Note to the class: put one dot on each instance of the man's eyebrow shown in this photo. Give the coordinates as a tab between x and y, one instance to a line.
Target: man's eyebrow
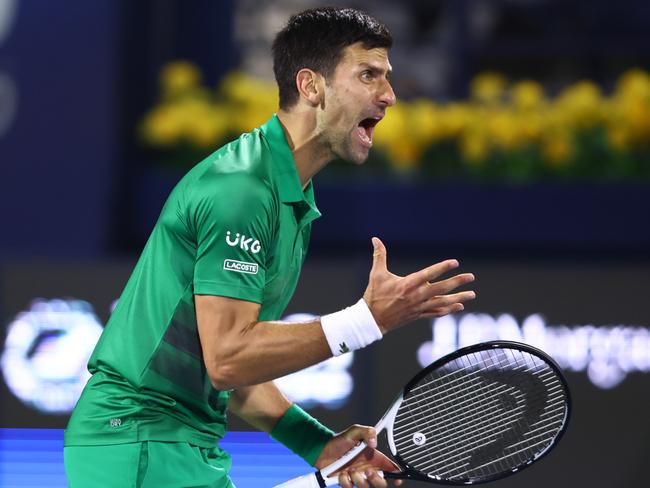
375	69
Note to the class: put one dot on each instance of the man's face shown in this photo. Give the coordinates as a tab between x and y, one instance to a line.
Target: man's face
356	98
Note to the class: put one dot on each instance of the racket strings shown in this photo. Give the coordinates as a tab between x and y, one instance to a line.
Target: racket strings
469	385
477	374
502	419
494	409
473	414
425	398
491	430
459	470
459	366
489	439
544	442
484	411
450	425
463	383
451	394
486	432
484	438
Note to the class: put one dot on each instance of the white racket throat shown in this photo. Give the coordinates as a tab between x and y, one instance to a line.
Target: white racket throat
312	480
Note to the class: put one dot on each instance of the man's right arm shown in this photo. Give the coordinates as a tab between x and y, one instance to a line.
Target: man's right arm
238	350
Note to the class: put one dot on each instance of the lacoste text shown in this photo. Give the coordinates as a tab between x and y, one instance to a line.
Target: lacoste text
240	266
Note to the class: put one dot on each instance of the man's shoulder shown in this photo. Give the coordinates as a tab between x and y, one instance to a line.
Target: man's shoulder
246	158
249	153
241	165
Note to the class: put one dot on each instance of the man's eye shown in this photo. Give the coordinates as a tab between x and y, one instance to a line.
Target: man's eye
366	75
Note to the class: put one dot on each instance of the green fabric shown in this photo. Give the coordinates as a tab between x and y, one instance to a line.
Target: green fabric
237	225
146	465
302	433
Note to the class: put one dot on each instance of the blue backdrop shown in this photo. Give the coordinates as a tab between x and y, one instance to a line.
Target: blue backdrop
33	458
58	149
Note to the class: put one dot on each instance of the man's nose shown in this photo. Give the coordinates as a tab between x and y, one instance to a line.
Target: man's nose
387	95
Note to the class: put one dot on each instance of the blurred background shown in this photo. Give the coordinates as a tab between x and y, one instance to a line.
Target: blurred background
520	145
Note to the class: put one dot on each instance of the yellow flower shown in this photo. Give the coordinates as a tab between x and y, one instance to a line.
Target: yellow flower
488	87
639	120
619	138
243	88
179	77
628	111
426	122
629	116
456	118
394	135
527	95
531	125
634	84
557	148
251	100
504	129
632	105
474	147
205	125
393	126
580	105
404	155
162	126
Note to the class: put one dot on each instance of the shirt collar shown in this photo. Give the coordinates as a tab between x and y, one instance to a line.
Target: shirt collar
284	167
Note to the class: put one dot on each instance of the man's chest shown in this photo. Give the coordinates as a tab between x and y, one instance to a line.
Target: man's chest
285	259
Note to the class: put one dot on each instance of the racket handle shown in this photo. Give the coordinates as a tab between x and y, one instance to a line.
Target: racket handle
306	481
322	478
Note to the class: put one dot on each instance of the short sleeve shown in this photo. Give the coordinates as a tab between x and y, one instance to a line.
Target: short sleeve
232	216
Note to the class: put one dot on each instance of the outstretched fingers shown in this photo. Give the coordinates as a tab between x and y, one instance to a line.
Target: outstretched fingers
394	300
445	286
440	305
432	272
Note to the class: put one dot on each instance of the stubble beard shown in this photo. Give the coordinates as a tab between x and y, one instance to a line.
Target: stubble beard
346	150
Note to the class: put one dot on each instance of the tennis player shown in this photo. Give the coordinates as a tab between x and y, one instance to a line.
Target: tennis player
195	332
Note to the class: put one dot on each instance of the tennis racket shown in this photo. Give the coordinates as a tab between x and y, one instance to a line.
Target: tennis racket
479	414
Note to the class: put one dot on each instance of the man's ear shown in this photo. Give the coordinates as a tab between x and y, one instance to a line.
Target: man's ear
310	86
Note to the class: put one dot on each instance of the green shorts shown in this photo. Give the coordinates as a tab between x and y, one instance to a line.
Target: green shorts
146	465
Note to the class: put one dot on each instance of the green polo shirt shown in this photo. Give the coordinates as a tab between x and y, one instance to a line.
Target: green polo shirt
237	225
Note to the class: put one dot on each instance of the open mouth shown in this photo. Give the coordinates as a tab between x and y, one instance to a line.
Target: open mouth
366	129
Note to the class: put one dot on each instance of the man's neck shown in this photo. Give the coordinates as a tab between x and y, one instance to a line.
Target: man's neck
309	152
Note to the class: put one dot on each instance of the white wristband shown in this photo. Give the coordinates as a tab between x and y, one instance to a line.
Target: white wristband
350	329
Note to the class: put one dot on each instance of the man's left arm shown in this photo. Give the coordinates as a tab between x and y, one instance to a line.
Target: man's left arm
263	406
259	405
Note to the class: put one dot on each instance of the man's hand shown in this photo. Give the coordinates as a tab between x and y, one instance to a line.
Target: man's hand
363	470
395	300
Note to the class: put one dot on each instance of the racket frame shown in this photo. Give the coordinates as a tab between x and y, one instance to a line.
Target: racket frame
323	477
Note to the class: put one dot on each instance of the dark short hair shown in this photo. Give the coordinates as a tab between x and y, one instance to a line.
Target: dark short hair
315	39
